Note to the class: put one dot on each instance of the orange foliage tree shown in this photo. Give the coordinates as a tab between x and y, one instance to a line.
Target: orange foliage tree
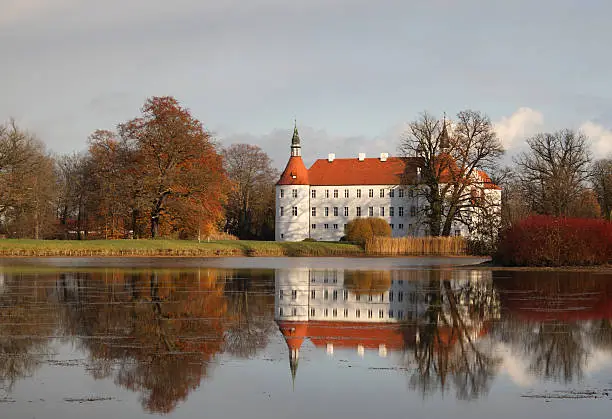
180	176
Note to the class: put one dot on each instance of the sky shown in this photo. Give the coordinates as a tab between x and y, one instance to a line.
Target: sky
352	72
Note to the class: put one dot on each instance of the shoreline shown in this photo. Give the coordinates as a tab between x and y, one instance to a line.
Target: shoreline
588	268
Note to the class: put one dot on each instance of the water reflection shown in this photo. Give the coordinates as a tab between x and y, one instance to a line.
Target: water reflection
160	332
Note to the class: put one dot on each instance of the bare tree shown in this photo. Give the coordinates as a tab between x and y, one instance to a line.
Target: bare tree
451	166
554	170
601	178
250	205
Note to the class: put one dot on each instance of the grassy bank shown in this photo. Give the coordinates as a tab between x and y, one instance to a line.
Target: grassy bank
74	248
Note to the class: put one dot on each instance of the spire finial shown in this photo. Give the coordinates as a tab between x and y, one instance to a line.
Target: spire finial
295	141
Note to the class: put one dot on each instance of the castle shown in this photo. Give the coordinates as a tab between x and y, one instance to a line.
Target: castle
319	202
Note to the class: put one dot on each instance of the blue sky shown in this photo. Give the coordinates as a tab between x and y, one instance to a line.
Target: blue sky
352	72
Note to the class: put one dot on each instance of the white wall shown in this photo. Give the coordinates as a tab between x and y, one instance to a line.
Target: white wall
289	227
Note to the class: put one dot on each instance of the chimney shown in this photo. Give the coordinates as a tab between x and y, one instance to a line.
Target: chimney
361	156
331	157
384	156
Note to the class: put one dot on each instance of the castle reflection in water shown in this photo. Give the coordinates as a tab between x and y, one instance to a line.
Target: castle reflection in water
381	311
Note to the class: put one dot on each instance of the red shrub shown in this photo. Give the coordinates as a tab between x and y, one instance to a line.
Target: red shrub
549	241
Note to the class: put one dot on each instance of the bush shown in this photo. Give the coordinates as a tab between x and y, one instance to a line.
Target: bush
397	246
549	241
309	239
361	230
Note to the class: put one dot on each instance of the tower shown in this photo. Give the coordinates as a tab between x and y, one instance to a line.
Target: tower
444	139
293	196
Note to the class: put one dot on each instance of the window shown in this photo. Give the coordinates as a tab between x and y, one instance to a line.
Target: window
391	193
280	311
410	227
381	193
391	211
346	312
326	295
335	211
357	297
344	227
370	297
335	312
400	211
358	193
411	193
371	193
313	294
401	226
381	314
390	314
282	235
313	211
335	295
312	312
294	211
326	226
326	312
345	295
282	211
400	314
371	212
326	211
392	226
400	296
358	313
335	193
294	193
400	193
313	226
280	294
382	211
457	232
413	211
326	193
335	226
282	193
391	296
293	294
346	212
294	311
369	314
313	193
358	211
346	193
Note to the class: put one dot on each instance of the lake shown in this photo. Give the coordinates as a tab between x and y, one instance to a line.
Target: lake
301	338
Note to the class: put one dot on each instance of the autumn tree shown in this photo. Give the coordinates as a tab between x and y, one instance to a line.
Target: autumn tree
553	171
250	204
450	168
27	184
180	171
601	179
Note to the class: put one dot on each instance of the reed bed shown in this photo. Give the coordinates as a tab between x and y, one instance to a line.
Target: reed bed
422	246
171	248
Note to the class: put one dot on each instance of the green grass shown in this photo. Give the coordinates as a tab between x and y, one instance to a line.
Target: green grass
74	248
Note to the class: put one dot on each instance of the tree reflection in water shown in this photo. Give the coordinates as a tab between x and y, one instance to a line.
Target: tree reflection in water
445	346
153	332
556	320
26	320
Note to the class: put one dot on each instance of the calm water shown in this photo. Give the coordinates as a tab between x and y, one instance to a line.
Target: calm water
301	338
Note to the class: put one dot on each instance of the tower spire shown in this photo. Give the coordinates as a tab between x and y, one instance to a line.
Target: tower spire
444	140
296	147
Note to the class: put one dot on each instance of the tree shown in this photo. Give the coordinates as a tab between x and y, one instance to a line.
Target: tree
180	170
553	171
27	184
75	192
250	204
601	179
450	167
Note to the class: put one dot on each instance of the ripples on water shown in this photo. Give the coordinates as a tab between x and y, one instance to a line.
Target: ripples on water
189	341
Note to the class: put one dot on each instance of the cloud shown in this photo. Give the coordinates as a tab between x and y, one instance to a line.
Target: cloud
15	11
514	129
601	138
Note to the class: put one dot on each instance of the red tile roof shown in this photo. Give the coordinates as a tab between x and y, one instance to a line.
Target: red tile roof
370	171
295	173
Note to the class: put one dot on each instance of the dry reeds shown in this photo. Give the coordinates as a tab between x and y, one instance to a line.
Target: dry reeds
398	246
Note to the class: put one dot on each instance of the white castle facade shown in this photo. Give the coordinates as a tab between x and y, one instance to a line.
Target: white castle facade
319	202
